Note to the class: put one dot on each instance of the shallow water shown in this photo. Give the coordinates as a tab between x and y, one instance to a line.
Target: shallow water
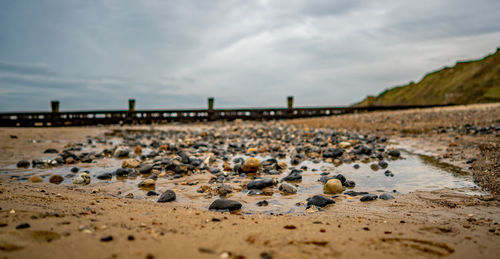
410	173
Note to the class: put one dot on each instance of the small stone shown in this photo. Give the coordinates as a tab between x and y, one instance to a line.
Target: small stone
369	197
152	193
23	225
287	188
167	196
138	150
148	183
121	152
344	144
262	203
224	204
356	166
289	227
395	153
260	183
129	196
293	176
333	186
51	151
385	196
107	238
349	184
319	201
131	163
82	178
35	179
105	176
56	179
75	170
251	165
23	164
145	168
374	167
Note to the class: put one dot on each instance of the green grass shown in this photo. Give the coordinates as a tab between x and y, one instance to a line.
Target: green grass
476	81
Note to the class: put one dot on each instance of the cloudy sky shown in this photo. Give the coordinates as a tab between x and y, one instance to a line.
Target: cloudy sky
92	54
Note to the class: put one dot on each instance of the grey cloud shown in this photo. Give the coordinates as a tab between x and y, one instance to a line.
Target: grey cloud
244	53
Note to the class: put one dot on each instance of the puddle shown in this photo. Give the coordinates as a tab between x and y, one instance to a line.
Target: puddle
412	172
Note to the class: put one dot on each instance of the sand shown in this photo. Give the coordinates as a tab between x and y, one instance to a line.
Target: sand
67	221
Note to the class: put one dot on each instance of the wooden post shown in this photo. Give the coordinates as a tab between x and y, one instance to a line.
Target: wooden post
210	104
290	103
211	114
131	105
55	106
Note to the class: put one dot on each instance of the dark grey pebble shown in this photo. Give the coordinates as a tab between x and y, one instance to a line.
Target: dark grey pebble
23	163
293	176
167	196
383	164
152	193
51	151
260	183
395	153
23	225
470	161
262	203
105	176
319	201
349	184
224	204
385	196
353	193
145	168
356	166
369	197
75	169
107	238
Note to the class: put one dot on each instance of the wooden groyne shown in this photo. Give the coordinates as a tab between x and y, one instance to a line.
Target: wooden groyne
132	116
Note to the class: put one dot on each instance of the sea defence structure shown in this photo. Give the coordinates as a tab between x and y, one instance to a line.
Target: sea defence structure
133	116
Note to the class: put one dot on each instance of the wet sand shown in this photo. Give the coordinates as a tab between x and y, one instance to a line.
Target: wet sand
70	220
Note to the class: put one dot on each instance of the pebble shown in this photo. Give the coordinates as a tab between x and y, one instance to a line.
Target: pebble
107	238
23	164
394	153
56	179
35	179
369	197
333	186
294	176
319	201
145	168
287	188
167	196
75	170
148	183
23	225
353	193
260	183
251	165
131	163
82	178
105	176
51	151
385	196
224	204
262	203
152	193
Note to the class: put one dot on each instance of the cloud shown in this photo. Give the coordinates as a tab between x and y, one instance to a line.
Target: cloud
168	54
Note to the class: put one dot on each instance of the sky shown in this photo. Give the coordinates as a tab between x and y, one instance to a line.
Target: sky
94	55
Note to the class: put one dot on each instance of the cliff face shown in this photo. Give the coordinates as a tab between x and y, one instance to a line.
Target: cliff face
476	81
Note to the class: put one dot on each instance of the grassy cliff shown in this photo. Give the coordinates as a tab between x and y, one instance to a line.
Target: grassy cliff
476	81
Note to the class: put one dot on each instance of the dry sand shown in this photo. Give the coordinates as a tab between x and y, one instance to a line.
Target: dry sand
69	221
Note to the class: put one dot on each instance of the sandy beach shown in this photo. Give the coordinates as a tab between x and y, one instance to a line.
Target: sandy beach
45	220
